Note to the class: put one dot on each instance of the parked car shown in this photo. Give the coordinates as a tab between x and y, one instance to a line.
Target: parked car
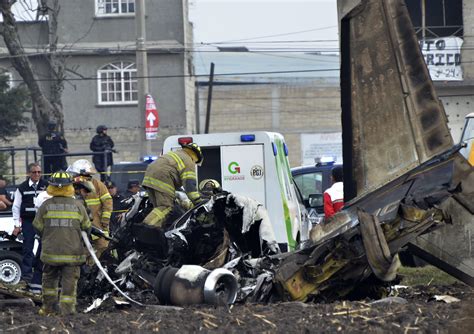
312	181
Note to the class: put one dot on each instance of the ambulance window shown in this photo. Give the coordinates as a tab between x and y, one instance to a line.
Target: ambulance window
211	165
311	183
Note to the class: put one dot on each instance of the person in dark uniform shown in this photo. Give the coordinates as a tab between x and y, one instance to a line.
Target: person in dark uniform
53	143
101	142
24	211
133	187
119	207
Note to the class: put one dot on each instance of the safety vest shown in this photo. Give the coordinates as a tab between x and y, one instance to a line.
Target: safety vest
28	194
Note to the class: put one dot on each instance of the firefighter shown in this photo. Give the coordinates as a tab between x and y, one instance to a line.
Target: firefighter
96	197
167	174
101	142
59	222
53	143
334	196
208	188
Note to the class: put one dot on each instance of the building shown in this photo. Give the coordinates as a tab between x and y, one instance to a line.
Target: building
296	95
98	41
305	105
446	33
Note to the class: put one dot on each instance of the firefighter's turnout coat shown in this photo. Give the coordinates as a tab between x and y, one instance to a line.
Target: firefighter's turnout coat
163	177
100	204
60	221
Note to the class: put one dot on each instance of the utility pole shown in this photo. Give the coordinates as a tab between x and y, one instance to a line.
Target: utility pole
209	99
142	74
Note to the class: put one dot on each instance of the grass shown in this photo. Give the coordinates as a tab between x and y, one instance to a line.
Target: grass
424	276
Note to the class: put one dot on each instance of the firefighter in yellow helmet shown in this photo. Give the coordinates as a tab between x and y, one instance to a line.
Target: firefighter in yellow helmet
168	173
96	198
209	187
59	221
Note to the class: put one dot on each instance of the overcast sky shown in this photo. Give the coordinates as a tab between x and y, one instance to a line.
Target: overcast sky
245	22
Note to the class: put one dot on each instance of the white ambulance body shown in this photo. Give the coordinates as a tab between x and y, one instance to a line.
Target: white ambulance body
255	165
468	138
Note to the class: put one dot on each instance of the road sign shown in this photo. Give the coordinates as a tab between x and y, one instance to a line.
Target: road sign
152	120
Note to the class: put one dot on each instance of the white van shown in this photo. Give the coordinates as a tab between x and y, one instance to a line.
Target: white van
255	165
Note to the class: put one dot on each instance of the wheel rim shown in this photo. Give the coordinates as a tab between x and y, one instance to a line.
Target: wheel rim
10	272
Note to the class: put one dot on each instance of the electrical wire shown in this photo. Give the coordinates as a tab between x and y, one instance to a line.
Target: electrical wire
200	75
277	35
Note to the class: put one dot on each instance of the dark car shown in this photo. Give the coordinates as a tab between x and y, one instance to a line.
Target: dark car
312	181
124	172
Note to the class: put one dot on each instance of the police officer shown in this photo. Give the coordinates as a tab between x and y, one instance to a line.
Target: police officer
53	143
167	174
119	207
133	187
101	142
60	221
24	211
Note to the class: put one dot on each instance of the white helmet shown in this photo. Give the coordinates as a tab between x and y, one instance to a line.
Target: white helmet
81	167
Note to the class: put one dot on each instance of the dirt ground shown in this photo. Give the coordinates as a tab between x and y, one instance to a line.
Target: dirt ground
420	314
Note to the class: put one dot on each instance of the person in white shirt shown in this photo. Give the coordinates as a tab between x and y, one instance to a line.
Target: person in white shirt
24	211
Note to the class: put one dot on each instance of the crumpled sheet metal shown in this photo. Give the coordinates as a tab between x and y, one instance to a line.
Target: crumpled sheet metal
383	264
254	211
392	118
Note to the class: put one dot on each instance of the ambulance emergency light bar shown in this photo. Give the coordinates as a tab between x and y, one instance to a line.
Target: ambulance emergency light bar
243	138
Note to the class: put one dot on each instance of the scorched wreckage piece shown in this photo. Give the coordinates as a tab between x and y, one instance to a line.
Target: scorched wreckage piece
405	184
405	181
402	174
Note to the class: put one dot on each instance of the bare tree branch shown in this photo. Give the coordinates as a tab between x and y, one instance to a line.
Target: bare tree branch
43	108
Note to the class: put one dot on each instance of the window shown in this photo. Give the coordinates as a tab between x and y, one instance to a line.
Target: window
436	18
115	7
311	183
117	83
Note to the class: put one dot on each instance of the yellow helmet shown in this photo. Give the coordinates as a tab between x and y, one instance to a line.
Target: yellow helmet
60	179
209	187
196	149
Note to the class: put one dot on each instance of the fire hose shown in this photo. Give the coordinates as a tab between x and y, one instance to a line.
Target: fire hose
101	268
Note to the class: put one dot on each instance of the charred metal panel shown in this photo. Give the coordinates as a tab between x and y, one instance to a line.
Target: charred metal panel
392	119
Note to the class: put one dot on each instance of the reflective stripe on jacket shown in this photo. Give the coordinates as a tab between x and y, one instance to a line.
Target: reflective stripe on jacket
100	204
60	221
170	172
333	199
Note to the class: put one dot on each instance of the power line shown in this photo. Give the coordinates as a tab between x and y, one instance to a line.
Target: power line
275	35
199	75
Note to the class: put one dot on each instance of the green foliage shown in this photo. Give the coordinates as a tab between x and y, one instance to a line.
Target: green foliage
4	169
14	102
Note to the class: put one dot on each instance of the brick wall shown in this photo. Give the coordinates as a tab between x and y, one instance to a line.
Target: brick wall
289	109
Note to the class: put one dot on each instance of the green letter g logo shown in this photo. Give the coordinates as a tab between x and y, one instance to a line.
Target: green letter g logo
234	168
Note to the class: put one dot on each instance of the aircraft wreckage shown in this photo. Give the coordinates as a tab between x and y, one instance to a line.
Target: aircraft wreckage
406	185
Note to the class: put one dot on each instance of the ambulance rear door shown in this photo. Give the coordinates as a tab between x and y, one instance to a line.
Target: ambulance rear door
243	170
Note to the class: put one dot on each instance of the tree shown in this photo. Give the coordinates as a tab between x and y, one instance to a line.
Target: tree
14	103
45	107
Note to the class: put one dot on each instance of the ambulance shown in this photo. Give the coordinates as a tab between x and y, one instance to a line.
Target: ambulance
468	138
253	164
